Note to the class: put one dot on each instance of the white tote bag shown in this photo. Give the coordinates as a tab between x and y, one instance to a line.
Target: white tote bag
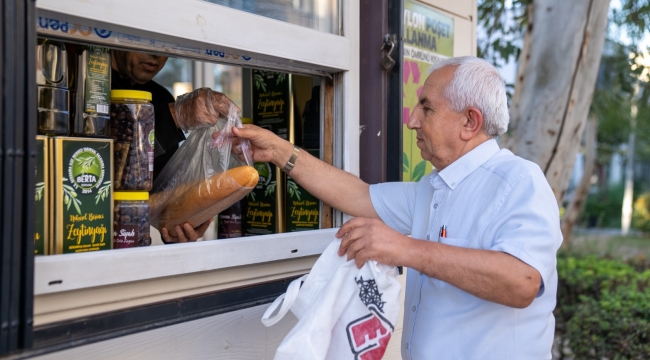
343	312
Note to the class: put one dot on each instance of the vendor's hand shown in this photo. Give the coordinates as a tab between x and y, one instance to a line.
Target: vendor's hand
185	233
199	108
265	145
370	239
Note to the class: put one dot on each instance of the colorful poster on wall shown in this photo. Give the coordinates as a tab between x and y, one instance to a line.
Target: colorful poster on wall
428	38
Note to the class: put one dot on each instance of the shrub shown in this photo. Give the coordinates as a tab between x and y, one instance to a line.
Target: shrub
603	308
603	210
642	213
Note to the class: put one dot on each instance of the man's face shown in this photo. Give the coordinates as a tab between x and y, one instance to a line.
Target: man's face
138	67
437	127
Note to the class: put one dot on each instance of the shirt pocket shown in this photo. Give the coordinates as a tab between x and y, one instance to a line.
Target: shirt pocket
454	241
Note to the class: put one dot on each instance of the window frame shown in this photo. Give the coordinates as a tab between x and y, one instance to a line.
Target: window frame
275	48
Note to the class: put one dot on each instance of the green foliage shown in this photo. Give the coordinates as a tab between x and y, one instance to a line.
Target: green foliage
504	23
642	213
603	308
633	17
603	210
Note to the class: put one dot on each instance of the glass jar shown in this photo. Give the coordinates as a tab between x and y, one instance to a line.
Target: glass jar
132	128
52	88
131	219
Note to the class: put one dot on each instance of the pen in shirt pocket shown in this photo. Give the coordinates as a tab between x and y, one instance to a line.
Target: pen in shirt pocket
443	232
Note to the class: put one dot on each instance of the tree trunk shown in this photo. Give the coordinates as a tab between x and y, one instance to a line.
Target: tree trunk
626	211
576	205
555	82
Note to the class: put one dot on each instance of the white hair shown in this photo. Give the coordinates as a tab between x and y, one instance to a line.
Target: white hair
476	83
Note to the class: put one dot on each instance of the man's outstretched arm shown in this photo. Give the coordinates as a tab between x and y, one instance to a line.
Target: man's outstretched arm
331	185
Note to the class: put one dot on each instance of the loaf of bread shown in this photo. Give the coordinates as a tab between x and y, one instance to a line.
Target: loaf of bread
197	203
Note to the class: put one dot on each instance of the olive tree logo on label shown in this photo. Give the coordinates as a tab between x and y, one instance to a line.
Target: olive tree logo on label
264	171
152	138
86	170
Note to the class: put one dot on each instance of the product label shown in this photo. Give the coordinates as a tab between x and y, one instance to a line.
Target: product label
40	241
302	208
125	236
149	144
272	101
84	205
230	223
260	214
97	96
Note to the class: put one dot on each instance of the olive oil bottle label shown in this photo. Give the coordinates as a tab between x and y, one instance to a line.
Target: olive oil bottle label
302	208
97	99
84	195
41	233
271	101
260	214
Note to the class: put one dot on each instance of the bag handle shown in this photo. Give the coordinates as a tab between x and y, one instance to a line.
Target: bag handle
287	299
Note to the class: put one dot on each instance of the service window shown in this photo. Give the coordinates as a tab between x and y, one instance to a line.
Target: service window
297	77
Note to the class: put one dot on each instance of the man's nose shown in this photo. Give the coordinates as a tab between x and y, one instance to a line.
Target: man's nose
413	122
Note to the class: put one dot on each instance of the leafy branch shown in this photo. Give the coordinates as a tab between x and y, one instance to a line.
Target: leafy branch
40	188
292	188
251	196
504	23
281	78
103	192
70	197
270	189
259	82
85	162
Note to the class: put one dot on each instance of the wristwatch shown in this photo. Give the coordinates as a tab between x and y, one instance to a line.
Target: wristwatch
292	160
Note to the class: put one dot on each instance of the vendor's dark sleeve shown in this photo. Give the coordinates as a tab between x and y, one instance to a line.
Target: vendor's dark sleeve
167	134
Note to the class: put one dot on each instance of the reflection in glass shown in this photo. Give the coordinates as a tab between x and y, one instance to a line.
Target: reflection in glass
322	15
176	76
228	80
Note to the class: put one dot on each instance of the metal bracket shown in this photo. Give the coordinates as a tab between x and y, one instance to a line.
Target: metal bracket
387	62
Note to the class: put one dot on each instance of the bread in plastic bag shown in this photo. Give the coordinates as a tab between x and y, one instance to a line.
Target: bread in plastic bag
203	178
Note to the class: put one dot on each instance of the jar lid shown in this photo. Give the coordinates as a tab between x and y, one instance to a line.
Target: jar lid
130	94
130	195
246	120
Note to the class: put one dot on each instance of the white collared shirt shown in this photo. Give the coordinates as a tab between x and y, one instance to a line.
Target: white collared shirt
492	200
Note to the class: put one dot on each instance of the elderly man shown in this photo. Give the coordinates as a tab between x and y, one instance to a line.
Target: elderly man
484	224
135	71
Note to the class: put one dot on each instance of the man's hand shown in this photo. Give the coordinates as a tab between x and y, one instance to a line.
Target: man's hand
266	146
185	233
370	239
199	108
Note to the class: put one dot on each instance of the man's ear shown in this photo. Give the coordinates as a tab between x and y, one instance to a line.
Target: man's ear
473	124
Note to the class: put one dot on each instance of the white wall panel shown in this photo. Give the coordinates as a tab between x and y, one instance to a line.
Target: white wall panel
238	335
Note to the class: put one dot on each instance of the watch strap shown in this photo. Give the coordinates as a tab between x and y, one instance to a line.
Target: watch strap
292	160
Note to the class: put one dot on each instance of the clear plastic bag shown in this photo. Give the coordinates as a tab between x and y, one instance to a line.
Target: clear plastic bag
203	177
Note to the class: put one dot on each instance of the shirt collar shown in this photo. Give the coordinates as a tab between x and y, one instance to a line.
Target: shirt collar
457	171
